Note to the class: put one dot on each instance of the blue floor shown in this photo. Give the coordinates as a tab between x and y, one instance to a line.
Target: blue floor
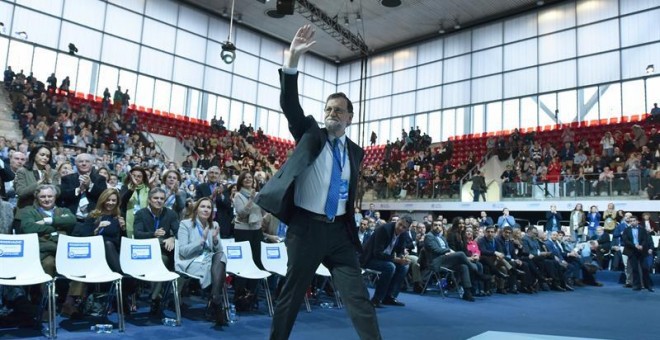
609	312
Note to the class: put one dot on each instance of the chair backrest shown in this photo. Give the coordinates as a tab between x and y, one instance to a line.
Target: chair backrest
19	255
228	240
239	257
656	240
140	256
540	228
274	257
79	256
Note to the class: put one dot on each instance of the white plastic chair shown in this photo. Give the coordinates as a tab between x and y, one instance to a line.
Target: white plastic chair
177	260
141	259
325	272
241	264
82	259
21	266
274	258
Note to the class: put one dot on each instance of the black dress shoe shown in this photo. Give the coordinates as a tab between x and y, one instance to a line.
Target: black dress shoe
376	303
627	286
568	288
650	289
467	296
390	301
155	306
502	275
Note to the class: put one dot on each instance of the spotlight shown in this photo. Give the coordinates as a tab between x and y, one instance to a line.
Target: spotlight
2	24
22	34
650	69
72	49
224	12
346	20
228	53
239	18
358	17
337	61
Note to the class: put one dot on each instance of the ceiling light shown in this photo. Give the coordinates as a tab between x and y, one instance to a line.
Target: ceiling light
358	17
346	20
224	12
457	26
239	18
650	69
540	3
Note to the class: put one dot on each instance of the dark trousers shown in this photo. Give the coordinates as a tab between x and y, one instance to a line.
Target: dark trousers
310	243
640	270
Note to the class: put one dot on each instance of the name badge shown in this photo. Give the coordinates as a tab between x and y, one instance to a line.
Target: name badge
272	252
343	190
79	250
140	252
11	248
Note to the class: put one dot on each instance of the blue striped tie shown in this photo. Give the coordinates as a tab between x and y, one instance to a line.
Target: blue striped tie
335	181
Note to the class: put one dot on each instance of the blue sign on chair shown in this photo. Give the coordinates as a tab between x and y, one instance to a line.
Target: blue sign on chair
272	253
140	252
234	252
79	250
11	248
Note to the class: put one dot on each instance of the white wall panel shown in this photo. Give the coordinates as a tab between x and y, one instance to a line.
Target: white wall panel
188	72
163	10
404	80
487	36
219	82
520	83
429	51
193	20
428	99
557	46
122	23
640	28
53	7
456	94
487	62
598	37
429	74
521	54
313	66
556	18
156	63
595	10
46	32
403	58
133	5
458	43
86	40
487	89
457	69
380	85
557	76
6	11
628	6
600	68
159	35
249	41
190	46
272	50
85	12
635	60
244	89
313	87
219	30
521	27
380	64
403	104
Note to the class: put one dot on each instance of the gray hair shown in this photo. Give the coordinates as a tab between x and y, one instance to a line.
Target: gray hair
156	190
43	187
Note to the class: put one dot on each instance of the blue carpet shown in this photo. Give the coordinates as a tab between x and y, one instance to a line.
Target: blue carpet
609	312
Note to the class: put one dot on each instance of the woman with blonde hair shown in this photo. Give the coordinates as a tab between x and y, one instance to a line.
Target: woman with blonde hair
200	253
609	216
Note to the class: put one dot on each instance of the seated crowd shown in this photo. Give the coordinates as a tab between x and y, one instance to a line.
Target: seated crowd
80	172
485	257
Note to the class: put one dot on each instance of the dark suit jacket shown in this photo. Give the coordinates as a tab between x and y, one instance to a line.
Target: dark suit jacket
144	225
6	175
643	238
276	196
70	200
501	246
548	217
433	247
378	242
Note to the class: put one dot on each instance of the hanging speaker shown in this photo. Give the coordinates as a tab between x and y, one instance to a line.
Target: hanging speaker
285	6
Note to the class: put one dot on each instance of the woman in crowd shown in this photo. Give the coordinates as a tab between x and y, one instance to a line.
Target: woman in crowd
609	216
607	143
247	226
577	222
36	171
175	198
134	194
200	253
458	241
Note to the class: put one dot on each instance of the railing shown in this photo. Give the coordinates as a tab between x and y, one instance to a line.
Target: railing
150	138
182	139
415	190
468	176
620	185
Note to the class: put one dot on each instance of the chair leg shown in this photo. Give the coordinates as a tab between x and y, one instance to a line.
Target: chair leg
307	306
225	298
52	327
177	307
269	300
120	305
337	295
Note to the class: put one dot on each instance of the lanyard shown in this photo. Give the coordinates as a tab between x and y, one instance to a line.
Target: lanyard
156	220
334	157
